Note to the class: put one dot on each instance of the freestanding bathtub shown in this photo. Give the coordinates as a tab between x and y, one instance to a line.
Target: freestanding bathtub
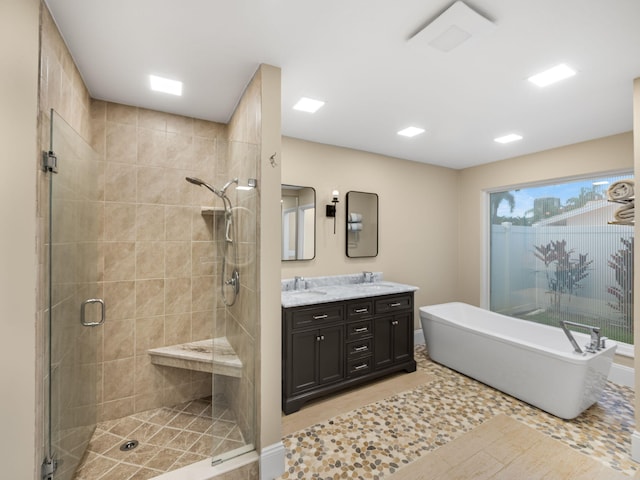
532	362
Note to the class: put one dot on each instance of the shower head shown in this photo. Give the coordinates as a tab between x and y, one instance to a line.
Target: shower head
200	183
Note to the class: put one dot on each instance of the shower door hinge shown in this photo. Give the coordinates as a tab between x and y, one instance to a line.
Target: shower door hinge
49	162
49	466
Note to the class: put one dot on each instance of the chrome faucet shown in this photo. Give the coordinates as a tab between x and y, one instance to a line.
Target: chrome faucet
367	277
595	343
298	282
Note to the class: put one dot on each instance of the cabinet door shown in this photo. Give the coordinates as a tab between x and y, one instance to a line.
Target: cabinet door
383	342
402	327
331	354
302	363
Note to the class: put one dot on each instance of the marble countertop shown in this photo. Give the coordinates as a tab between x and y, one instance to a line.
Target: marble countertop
319	292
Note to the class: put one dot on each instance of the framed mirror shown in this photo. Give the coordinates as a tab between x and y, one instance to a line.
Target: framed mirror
298	207
362	224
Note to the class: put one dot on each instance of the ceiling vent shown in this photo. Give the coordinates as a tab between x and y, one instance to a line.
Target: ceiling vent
456	25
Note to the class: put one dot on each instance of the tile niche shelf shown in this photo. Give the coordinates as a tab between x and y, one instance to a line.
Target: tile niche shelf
212	356
211	210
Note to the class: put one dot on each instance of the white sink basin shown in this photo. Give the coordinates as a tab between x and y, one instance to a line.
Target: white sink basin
374	286
306	292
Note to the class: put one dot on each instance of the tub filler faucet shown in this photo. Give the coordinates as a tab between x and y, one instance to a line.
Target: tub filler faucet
594	345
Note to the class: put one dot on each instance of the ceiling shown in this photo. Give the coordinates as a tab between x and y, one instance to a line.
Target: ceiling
358	56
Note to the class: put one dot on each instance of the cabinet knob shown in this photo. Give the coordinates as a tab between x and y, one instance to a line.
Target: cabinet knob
319	338
395	322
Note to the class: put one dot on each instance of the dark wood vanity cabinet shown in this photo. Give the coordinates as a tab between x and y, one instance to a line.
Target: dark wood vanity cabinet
315	358
331	346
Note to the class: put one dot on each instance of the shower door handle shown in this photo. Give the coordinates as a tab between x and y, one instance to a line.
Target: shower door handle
82	312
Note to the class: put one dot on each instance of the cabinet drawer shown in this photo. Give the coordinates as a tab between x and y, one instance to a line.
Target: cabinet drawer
316	315
359	309
359	329
393	303
360	348
359	366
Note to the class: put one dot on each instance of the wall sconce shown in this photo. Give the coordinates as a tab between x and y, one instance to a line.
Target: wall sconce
331	209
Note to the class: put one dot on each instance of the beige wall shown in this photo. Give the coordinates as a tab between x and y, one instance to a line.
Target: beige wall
418	208
607	154
19	24
269	264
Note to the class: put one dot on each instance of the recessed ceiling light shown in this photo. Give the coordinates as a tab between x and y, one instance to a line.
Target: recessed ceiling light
512	137
165	85
553	75
308	105
411	131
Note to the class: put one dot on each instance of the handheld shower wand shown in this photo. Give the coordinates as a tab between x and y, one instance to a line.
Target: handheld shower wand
234	280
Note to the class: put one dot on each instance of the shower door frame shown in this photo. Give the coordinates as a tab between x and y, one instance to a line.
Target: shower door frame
73	293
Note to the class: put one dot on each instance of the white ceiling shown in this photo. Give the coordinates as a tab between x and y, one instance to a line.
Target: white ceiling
356	55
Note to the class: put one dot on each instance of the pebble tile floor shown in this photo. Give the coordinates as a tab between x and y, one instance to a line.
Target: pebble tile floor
374	441
169	438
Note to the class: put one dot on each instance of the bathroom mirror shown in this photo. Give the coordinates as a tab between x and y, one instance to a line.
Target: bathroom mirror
298	206
362	224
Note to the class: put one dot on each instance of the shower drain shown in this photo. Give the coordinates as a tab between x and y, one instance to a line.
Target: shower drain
129	445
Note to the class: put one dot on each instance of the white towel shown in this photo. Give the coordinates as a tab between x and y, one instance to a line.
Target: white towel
355	217
621	190
625	213
355	227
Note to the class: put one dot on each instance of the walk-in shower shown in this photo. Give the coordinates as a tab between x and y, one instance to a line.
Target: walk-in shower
230	252
154	293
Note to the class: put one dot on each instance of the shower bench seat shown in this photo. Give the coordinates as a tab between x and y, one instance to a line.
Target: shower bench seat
211	355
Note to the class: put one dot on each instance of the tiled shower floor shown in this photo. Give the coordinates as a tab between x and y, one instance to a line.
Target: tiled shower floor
169	438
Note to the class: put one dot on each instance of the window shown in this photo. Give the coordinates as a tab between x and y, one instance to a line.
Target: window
556	253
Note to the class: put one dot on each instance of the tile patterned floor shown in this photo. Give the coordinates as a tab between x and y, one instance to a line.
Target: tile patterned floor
377	439
169	438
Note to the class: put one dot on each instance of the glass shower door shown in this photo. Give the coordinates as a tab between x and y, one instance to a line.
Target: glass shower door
75	306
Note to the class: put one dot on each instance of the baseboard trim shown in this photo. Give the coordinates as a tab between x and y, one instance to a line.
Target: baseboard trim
635	446
620	374
272	461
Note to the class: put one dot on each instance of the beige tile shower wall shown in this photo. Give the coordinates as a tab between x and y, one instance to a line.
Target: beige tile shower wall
62	89
241	318
159	255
